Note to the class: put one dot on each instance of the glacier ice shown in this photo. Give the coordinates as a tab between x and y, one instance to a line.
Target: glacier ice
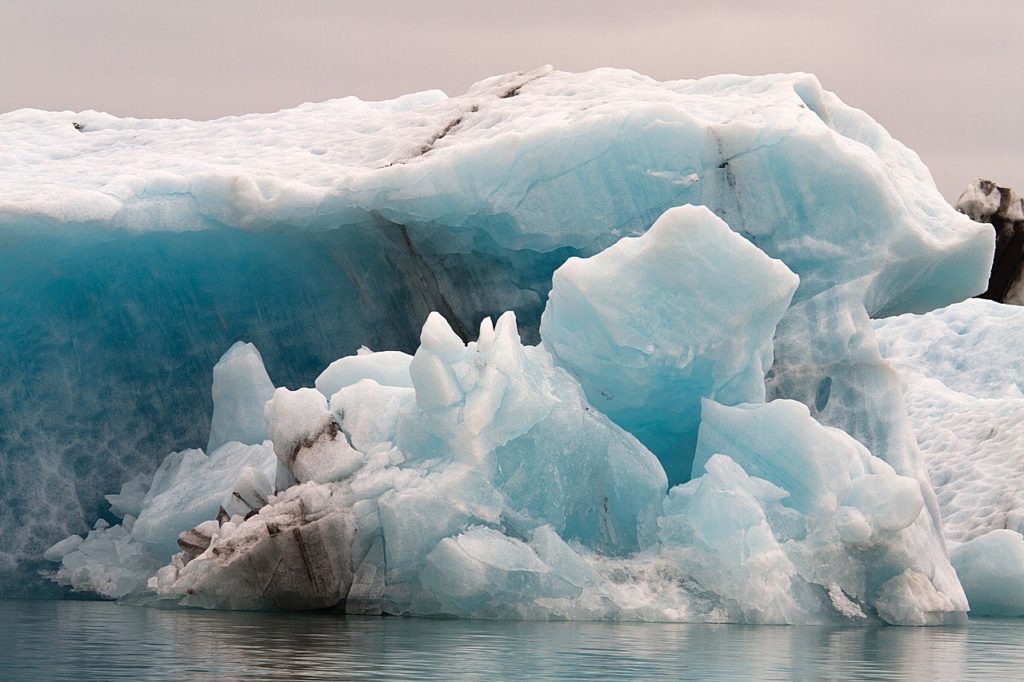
188	490
198	494
108	562
387	368
785	520
138	251
828	358
484	422
627	325
307	440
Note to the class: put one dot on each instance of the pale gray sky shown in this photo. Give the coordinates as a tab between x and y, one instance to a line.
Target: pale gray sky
944	76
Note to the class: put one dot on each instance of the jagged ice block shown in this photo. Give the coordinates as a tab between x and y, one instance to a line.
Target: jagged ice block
656	323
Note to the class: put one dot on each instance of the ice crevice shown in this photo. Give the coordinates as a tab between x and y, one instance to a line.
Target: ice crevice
503	92
428	284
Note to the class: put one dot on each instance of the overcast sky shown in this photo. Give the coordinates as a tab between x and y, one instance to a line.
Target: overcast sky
944	76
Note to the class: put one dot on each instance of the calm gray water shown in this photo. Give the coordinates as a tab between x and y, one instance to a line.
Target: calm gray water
54	640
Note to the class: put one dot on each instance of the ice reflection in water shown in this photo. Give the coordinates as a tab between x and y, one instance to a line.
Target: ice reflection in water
91	640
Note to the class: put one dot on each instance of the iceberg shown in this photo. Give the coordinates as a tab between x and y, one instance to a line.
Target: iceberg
138	251
826	514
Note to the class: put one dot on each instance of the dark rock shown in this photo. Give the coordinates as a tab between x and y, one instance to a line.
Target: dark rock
985	202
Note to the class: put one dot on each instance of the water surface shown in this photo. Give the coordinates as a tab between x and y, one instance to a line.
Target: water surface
68	640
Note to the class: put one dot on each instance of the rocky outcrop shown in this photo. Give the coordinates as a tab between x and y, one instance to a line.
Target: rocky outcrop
1003	208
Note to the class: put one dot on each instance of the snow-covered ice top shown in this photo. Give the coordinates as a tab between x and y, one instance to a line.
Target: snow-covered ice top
971	347
778	157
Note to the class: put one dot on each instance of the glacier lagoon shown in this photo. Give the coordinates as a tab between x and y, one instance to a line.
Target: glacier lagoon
103	641
737	235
